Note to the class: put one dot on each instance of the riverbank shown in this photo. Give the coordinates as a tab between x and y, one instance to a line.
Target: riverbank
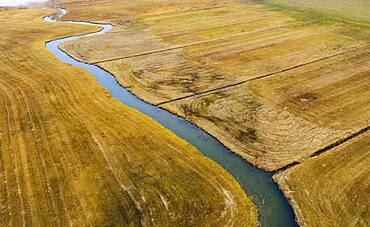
273	207
273	84
340	194
73	155
236	77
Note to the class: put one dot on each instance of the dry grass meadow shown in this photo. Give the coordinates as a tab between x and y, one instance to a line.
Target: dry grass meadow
358	10
272	81
255	78
72	155
333	188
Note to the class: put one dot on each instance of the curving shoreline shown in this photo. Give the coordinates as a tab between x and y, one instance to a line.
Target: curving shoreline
273	207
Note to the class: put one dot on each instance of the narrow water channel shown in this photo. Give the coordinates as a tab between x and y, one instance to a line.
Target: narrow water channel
273	207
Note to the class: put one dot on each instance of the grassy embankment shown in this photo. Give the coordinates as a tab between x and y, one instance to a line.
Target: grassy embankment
71	155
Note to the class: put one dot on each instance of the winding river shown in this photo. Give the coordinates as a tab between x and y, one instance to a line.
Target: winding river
273	207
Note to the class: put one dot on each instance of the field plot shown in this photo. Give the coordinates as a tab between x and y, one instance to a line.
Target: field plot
275	120
161	58
332	189
71	155
274	83
119	9
358	10
297	80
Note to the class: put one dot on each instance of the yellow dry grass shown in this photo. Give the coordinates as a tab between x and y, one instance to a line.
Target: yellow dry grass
72	155
332	189
273	83
272	121
353	10
116	9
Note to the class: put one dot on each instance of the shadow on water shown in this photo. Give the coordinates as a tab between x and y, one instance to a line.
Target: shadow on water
274	209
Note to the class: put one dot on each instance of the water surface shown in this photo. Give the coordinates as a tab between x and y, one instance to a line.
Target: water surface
273	207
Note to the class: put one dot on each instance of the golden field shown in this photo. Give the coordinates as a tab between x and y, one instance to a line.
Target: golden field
285	118
272	81
238	70
72	155
333	188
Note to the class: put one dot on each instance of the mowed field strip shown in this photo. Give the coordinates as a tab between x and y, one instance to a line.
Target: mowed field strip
72	155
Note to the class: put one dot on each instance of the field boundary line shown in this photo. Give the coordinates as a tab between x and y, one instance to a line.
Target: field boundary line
169	14
198	43
261	76
329	147
187	31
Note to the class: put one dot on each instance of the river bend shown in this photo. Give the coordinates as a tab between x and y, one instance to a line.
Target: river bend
273	207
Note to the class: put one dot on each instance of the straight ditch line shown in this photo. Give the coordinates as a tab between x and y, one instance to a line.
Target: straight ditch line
327	148
187	31
261	76
198	43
